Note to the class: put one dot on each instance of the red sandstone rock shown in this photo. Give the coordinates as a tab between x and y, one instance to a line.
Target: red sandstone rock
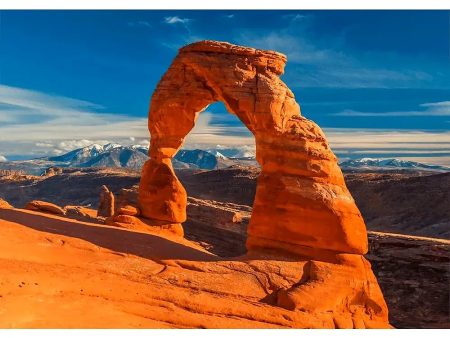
145	225
81	213
161	195
129	210
301	197
5	205
45	207
352	293
106	205
302	205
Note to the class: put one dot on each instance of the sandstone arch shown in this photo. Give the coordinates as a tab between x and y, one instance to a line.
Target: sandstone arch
302	208
302	204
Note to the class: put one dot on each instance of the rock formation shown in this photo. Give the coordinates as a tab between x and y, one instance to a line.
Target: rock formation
5	205
301	199
106	205
81	213
45	207
52	171
227	216
302	206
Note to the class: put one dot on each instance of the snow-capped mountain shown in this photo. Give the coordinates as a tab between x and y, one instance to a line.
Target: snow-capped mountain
116	155
202	159
243	152
388	164
108	155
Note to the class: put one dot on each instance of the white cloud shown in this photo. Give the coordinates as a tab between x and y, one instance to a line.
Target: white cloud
35	123
431	109
139	23
414	145
208	134
39	124
294	17
297	49
34	116
230	16
176	19
379	139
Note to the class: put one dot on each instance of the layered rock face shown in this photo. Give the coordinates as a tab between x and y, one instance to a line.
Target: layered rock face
302	207
301	200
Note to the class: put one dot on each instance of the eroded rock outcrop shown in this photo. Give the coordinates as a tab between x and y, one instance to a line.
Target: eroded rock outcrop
302	207
43	206
301	199
5	205
106	205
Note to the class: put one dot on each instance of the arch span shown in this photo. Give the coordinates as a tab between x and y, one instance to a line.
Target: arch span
301	203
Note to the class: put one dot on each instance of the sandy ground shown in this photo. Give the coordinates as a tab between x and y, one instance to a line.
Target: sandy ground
60	273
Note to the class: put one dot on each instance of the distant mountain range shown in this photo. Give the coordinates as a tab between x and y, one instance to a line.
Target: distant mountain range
388	164
134	156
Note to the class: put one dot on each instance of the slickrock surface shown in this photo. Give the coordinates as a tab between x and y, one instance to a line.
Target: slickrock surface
107	265
65	273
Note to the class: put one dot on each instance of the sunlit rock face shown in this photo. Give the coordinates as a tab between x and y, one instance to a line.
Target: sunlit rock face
302	207
301	198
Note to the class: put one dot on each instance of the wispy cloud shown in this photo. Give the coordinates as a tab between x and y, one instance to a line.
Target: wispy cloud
331	63
139	23
230	16
294	17
33	115
181	38
41	124
176	19
431	109
205	132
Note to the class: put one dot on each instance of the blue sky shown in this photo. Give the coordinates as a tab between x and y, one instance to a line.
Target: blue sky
377	82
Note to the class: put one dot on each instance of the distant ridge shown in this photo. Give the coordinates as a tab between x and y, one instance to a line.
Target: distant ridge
113	155
389	164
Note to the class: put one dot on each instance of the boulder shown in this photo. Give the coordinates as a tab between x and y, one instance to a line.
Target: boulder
129	210
81	213
45	207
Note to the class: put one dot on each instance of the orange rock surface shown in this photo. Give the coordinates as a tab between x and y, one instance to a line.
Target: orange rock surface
302	205
301	198
4	204
45	207
63	273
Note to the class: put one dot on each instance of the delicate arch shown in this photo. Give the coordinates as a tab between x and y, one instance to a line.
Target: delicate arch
301	203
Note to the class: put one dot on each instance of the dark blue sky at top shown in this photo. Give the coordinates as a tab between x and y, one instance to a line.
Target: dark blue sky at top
374	62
